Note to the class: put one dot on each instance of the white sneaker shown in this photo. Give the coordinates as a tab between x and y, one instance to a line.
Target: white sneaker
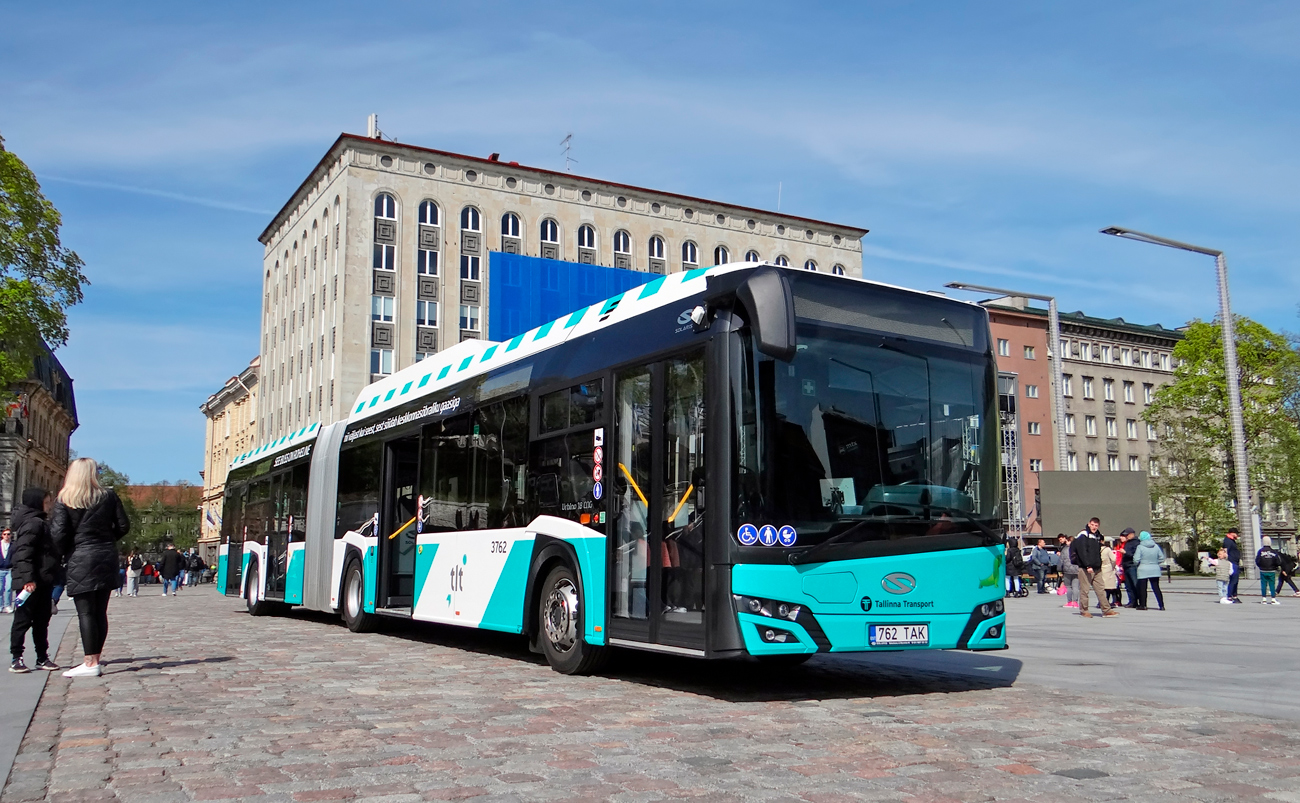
1263	602
1225	601
83	671
1273	601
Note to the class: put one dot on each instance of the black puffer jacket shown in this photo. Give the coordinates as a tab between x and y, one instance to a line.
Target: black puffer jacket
88	537
35	560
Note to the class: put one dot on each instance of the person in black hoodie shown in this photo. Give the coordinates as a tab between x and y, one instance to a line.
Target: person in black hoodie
87	522
1129	565
35	563
1234	558
1085	552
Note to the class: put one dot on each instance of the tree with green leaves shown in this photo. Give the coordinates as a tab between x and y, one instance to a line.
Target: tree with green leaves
39	277
1194	491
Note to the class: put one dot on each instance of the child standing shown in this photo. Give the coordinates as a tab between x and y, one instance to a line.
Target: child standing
1223	574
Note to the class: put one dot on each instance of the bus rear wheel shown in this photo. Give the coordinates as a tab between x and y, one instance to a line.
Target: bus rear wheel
560	626
352	605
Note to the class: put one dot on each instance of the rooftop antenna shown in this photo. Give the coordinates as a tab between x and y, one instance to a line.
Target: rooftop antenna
778	196
372	129
567	144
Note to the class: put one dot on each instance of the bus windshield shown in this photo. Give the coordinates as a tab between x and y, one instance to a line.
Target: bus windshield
867	437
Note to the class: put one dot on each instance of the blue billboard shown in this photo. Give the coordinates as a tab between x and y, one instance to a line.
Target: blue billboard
526	292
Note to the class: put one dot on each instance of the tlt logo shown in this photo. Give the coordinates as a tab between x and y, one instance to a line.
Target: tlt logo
457	578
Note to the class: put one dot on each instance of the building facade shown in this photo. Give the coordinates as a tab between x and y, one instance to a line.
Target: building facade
35	432
380	258
161	514
231	417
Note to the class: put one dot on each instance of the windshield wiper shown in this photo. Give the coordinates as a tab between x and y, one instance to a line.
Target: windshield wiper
991	536
805	557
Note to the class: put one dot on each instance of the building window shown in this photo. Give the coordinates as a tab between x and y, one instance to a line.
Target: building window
470	219
1094	463
1035	464
1067	385
469	267
1151	432
1112	462
421	356
1065	349
1112	428
426	262
1125	357
1153	467
381	309
1108	389
1031	391
429	214
1146	359
782	261
1069	423
1148	393
550	231
469	317
1134	464
1029	353
1128	392
1131	429
1004	348
752	256
385	257
837	270
1072	462
1164	362
426	313
1034	428
586	237
622	242
381	361
1087	387
1085	351
810	265
385	206
690	254
1090	426
656	247
1104	353
720	255
509	225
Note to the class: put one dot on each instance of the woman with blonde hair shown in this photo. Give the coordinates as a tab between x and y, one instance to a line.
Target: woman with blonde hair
87	522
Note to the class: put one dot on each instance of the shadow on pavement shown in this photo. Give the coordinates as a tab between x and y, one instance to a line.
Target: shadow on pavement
114	665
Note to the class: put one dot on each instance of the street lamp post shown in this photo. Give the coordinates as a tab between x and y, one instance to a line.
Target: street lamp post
1245	523
1053	346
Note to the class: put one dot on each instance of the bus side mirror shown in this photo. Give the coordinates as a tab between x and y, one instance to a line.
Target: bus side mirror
767	297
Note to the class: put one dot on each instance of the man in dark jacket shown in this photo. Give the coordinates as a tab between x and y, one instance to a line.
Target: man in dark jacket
170	568
35	563
1234	557
1129	564
1085	551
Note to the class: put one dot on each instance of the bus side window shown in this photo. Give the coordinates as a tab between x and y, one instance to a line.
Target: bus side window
360	472
565	487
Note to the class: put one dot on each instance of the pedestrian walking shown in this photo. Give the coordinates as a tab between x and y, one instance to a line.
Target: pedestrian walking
6	571
1069	573
1127	566
1149	558
196	568
87	522
34	563
1286	572
1110	573
1040	561
1222	576
1234	558
1085	554
1015	566
133	568
170	569
1269	562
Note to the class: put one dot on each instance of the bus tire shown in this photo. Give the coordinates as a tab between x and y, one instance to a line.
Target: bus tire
352	600
560	626
257	606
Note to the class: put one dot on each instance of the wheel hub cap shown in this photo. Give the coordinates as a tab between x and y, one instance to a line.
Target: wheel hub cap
561	616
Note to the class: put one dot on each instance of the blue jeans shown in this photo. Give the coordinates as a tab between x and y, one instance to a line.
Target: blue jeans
170	586
6	588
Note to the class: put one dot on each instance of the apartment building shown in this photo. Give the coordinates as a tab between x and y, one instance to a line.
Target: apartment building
36	432
231	430
381	257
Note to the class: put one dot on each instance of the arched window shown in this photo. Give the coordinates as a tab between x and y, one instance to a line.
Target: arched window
810	265
782	261
550	231
622	242
385	206
586	237
752	256
656	247
720	255
429	214
690	254
837	270
470	219
509	225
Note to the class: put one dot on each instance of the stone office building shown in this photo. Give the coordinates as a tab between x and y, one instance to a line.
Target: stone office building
35	432
380	258
231	430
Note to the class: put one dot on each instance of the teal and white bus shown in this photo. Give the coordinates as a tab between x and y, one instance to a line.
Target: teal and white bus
729	461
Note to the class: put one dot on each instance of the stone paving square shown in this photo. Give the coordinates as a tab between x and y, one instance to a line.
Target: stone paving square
202	702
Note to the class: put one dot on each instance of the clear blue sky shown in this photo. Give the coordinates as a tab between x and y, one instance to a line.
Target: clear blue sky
984	142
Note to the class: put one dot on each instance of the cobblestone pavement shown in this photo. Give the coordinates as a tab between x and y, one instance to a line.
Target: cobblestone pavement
202	702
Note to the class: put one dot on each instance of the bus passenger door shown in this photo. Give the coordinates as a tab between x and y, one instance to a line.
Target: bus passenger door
277	538
398	524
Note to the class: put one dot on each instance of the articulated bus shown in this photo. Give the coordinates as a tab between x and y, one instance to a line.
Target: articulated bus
729	461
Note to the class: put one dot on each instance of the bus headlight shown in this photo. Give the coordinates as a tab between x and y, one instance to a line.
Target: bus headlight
766	607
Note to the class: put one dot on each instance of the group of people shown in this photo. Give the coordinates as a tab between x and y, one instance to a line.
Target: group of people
1275	568
71	537
174	571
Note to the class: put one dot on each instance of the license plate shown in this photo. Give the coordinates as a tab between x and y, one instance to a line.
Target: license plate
898	635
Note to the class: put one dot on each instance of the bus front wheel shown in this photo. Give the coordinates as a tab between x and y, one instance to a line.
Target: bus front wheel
353	602
560	626
257	606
